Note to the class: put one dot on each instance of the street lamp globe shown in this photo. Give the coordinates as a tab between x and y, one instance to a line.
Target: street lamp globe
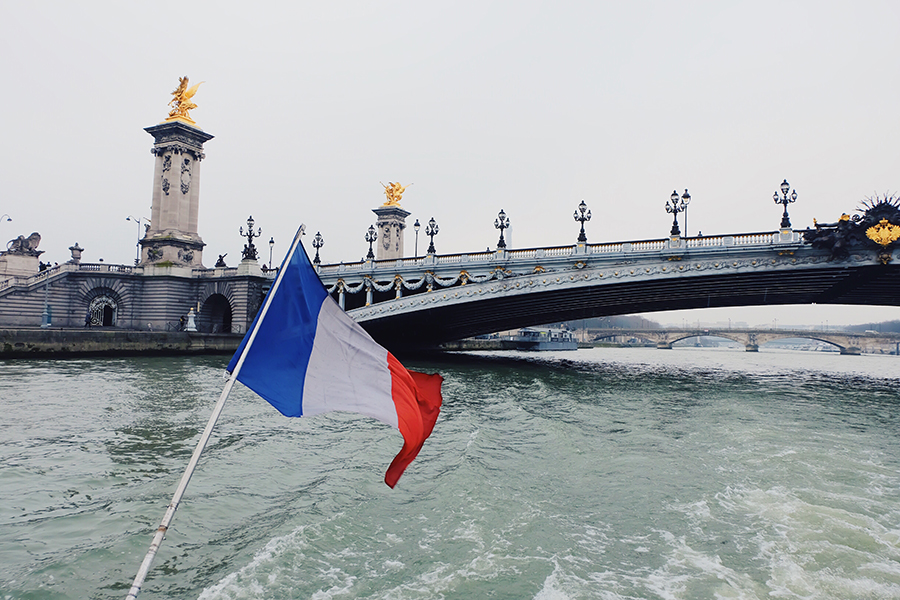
501	223
318	242
431	230
785	200
582	214
674	205
371	236
249	252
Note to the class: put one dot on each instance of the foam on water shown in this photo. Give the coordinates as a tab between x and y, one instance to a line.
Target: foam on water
826	536
614	475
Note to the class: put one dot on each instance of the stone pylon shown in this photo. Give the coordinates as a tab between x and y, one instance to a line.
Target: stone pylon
390	224
172	238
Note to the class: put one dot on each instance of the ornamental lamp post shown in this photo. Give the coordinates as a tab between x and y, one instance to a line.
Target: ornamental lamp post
249	251
45	315
416	227
8	218
501	223
371	236
271	247
431	230
785	200
318	242
675	205
582	216
137	254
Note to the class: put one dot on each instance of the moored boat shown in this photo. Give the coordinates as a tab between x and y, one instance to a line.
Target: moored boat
541	339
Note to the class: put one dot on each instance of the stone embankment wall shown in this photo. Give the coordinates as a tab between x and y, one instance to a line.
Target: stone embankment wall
54	342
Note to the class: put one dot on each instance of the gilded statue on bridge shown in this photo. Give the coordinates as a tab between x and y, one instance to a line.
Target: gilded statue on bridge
393	192
181	102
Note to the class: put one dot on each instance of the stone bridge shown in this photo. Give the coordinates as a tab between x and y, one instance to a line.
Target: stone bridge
424	301
144	297
751	339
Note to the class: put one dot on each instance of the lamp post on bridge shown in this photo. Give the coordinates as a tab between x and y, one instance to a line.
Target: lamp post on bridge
501	223
686	199
581	216
431	230
249	251
675	205
137	255
416	227
6	216
318	242
271	247
785	200
371	236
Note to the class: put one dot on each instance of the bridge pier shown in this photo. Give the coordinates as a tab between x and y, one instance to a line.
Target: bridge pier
851	351
751	348
663	345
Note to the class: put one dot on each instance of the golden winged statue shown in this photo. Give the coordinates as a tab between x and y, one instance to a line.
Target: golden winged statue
393	192
181	101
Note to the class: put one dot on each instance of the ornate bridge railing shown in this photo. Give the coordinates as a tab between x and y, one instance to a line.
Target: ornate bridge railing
357	285
720	241
437	298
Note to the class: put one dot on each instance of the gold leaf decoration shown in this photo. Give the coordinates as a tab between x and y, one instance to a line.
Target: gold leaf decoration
885	233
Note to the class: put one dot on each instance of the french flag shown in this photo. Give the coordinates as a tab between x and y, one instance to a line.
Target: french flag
306	357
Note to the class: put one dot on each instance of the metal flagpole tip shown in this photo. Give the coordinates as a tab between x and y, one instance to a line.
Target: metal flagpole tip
300	232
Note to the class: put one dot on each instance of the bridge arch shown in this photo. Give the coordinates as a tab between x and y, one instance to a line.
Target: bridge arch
825	339
611	335
753	341
215	314
103	306
719	335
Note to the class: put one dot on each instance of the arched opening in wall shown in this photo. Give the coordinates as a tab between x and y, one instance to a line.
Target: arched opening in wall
215	315
103	311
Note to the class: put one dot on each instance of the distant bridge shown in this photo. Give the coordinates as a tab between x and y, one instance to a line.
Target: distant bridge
428	300
751	339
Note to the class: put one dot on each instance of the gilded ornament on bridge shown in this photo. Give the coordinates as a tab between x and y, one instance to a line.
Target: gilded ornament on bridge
874	224
393	192
884	233
181	102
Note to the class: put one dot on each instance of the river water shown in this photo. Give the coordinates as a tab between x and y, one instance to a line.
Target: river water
604	473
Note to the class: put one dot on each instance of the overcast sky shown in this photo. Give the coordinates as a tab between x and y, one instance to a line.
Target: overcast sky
525	106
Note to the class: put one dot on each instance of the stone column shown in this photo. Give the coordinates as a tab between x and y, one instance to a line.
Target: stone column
390	224
172	238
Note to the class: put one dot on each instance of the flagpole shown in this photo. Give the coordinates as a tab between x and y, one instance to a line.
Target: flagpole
207	433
